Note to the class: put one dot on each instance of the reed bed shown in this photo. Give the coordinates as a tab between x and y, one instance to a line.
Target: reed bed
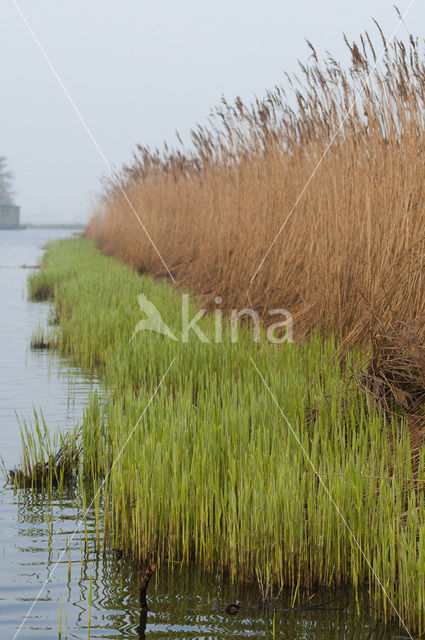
212	474
353	245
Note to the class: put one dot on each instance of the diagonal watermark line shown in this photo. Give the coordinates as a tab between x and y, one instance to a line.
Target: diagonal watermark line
80	522
332	140
88	131
311	463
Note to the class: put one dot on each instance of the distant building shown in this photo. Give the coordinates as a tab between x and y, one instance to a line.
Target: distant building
9	216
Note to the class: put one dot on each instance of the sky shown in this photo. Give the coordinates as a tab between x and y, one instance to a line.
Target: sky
137	71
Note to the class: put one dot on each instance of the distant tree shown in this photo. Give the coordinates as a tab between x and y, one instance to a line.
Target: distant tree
6	182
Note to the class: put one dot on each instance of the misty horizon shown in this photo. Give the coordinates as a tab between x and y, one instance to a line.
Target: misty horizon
139	74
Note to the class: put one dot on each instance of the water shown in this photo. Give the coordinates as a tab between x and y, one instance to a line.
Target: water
34	531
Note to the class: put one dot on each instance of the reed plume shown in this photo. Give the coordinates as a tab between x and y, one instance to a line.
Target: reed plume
345	146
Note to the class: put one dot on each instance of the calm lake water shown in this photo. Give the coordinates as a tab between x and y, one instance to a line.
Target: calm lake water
184	603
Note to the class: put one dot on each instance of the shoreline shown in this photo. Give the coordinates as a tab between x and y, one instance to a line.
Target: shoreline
213	474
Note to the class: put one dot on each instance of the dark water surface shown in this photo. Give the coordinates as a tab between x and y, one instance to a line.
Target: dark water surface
100	590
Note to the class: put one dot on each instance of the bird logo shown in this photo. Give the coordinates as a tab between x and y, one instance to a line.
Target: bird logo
153	321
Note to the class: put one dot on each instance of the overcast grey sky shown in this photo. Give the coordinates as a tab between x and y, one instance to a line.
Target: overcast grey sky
139	70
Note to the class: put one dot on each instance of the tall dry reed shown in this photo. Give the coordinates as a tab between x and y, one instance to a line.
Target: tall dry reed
353	247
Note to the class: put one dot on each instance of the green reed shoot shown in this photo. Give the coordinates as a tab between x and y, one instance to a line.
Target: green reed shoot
212	473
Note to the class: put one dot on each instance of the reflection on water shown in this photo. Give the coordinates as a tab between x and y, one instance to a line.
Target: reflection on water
30	379
34	532
184	603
